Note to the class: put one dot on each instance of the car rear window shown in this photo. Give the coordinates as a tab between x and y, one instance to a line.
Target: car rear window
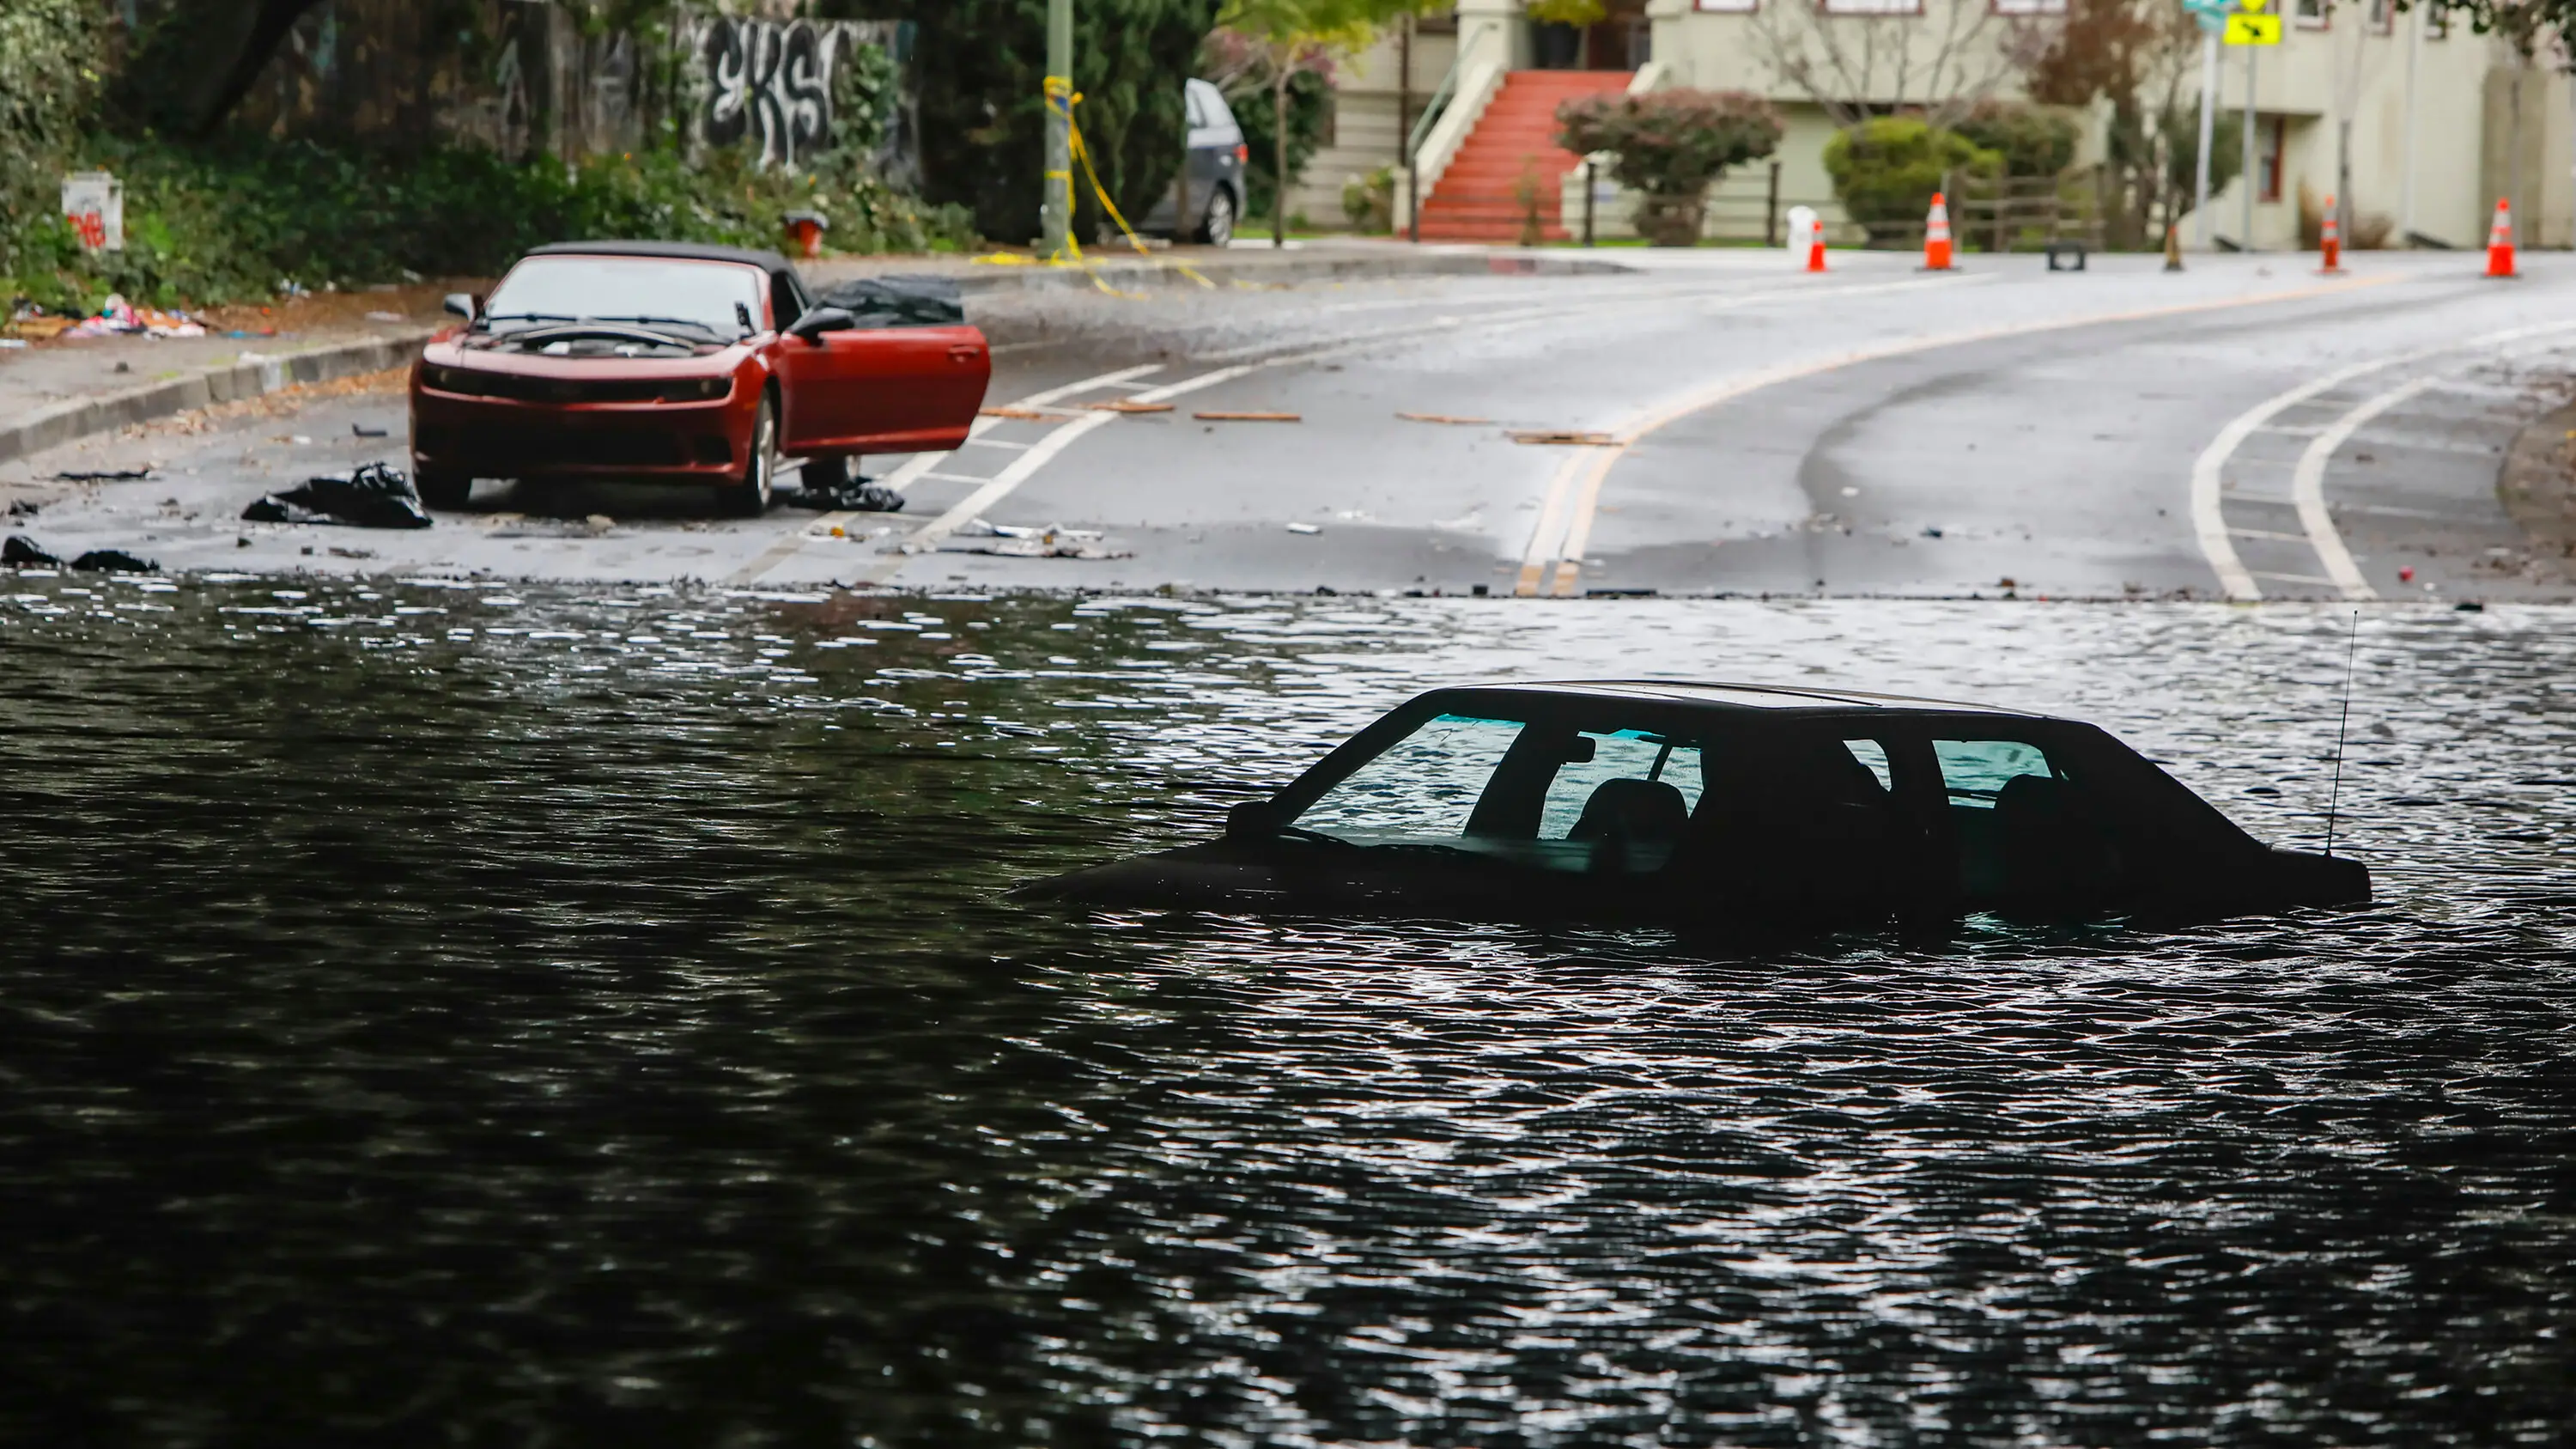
541	290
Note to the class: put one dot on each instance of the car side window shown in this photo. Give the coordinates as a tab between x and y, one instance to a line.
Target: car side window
1628	793
2026	830
784	304
1975	772
1422	788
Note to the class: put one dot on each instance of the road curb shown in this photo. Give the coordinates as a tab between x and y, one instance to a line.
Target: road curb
1335	266
78	418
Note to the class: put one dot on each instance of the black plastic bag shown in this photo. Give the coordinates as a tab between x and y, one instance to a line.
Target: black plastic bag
900	301
856	496
374	496
20	552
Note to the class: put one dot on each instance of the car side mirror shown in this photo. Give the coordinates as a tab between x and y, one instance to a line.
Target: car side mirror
1251	818
463	304
814	324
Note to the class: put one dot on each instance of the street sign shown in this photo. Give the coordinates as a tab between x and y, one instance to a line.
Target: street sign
2253	30
2210	14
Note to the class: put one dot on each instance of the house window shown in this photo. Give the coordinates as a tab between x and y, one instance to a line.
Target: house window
2273	134
2312	14
1871	7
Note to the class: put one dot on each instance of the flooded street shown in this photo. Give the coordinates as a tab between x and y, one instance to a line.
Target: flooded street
584	1014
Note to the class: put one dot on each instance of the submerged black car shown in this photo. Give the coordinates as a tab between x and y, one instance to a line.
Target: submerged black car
1707	804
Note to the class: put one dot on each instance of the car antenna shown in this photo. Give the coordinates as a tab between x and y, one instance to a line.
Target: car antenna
2334	793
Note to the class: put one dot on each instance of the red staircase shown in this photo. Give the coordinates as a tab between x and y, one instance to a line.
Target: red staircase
1476	198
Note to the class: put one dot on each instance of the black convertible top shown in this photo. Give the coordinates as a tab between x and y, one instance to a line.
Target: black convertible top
1720	694
770	262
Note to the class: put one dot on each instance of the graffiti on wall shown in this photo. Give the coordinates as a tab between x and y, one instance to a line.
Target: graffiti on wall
768	84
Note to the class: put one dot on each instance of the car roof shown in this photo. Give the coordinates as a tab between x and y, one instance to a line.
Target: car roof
770	262
1728	695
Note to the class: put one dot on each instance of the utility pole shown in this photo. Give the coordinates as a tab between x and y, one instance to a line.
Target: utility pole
2252	182
1057	209
2406	177
2208	133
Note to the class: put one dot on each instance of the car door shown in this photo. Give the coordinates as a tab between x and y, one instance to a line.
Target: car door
884	389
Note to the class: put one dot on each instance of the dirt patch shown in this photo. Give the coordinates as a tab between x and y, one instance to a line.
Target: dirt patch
2537	486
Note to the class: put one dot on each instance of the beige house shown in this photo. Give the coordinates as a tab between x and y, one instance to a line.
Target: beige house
2442	122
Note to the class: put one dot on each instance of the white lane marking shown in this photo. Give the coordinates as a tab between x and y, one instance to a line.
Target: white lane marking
974	442
2299	579
1022	468
919	465
2208	485
1581	479
2269	534
2308	487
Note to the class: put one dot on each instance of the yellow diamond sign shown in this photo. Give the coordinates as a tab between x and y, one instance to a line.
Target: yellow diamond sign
2253	30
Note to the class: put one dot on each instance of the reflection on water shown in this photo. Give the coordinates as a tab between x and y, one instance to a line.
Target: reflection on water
449	1013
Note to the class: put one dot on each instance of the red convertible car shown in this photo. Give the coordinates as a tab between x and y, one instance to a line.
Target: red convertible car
671	362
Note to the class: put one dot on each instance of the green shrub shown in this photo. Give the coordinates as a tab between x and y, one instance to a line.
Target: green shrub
1671	146
47	78
1369	201
2036	142
1885	170
1310	104
232	219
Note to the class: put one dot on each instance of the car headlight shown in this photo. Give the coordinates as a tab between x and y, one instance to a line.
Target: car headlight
697	389
448	379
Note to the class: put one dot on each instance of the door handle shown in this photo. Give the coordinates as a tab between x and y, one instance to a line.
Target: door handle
964	352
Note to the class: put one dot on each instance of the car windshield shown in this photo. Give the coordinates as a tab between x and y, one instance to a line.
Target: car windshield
1553	795
652	292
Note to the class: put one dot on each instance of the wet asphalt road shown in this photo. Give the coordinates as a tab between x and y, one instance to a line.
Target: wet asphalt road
2246	429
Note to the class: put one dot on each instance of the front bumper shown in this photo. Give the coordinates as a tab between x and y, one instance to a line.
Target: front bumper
487	437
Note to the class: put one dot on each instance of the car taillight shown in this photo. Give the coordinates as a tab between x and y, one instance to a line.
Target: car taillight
1242	152
697	389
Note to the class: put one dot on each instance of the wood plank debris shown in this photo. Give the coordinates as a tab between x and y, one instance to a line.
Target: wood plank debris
1128	405
1562	437
1032	415
1442	418
1247	417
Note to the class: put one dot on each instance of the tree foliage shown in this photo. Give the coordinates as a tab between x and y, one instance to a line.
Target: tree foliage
2035	141
979	70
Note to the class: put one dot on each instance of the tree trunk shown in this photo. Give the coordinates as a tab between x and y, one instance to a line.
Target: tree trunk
1279	154
192	67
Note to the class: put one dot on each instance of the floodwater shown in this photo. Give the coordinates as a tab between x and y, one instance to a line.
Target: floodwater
434	1014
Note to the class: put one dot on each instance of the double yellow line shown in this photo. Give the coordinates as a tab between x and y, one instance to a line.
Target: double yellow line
1552	564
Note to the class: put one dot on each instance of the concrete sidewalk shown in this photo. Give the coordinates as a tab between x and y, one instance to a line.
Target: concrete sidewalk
1240	265
57	392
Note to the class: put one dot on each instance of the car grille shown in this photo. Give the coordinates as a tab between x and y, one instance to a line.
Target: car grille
542	448
518	387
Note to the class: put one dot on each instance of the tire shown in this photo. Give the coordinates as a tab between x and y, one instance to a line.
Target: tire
1217	228
441	490
749	497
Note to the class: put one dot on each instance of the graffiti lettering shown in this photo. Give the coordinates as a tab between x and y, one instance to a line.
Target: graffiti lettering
768	83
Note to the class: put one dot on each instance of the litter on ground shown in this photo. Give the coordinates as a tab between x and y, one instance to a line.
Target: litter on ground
106	475
1126	405
1304	528
21	552
373	496
1030	415
1005	540
1243	417
859	495
1442	418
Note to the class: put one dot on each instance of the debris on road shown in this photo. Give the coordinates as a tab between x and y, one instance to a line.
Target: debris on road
1562	437
1247	417
1304	528
1125	405
1443	418
373	496
858	495
1026	415
359	430
24	508
106	475
22	552
1053	541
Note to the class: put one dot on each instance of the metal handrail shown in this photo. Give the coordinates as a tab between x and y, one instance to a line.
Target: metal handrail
1430	117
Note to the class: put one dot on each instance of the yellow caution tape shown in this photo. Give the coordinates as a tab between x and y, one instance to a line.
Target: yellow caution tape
1060	95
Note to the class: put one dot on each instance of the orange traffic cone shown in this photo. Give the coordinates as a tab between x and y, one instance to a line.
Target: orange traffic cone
1816	248
2330	242
2500	241
1936	236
